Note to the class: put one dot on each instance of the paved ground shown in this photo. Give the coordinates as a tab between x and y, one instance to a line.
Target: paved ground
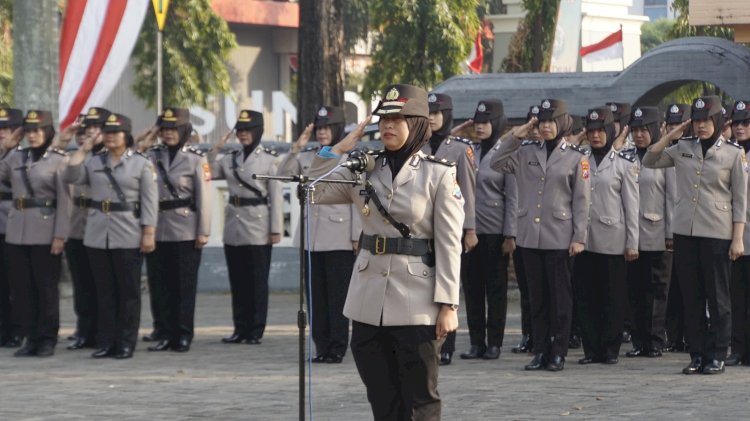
246	382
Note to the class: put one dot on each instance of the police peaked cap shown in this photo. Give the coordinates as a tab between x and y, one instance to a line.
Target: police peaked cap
172	118
439	102
706	106
677	113
95	116
643	116
117	123
620	111
329	115
549	109
741	110
597	118
404	100
36	119
488	110
10	118
248	119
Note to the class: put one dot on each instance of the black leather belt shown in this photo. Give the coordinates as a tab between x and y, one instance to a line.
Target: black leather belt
106	206
176	204
33	202
376	244
6	196
82	202
247	201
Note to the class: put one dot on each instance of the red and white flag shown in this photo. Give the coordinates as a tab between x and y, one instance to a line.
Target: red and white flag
476	57
606	49
95	45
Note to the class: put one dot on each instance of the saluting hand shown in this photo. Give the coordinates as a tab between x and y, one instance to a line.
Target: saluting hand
67	134
522	131
619	142
676	133
12	141
147	139
303	138
57	246
223	141
350	141
460	128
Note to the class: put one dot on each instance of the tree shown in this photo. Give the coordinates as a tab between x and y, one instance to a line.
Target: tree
419	42
533	38
655	33
321	58
682	27
6	53
196	47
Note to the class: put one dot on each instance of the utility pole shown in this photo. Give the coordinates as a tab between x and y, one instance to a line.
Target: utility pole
36	55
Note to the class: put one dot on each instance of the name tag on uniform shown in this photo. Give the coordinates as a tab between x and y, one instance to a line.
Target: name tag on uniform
534	163
687	155
363	192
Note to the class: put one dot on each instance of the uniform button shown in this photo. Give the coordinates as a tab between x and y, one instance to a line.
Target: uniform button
384	273
724	207
563	214
341	219
540	192
186	211
695	200
588	218
542	178
537	219
389	195
385	221
424	273
698	172
237	215
538	205
695	185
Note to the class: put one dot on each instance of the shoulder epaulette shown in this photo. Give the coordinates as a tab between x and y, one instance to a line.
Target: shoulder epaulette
311	149
375	152
530	142
58	151
579	149
270	151
196	151
157	147
734	143
20	148
688	138
443	161
626	156
460	139
101	151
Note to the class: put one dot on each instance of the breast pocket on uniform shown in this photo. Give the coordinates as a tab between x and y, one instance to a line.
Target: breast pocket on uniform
724	206
522	212
564	215
419	269
338	217
494	204
609	220
653	217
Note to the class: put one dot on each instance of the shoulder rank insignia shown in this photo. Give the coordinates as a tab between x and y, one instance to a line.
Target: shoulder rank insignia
688	138
626	156
530	142
734	143
270	151
443	161
579	149
311	149
59	151
460	139
196	151
375	152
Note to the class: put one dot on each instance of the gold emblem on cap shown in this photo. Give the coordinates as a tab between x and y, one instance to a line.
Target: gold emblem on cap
638	113
93	112
33	117
546	104
112	120
482	108
699	104
594	116
3	113
244	117
675	109
392	94
169	115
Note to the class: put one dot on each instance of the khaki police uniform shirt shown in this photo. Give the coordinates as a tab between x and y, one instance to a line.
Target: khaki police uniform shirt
613	215
553	195
190	175
457	150
394	289
5	205
746	233
331	227
711	191
496	199
251	225
37	226
657	187
136	177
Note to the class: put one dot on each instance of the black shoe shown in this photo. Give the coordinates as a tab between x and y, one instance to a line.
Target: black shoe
162	345
28	350
589	360
13	342
636	352
73	337
574	342
695	366
523	346
319	359
714	367
124	352
152	337
538	363
103	352
625	338
492	353
45	350
733	359
79	343
611	360
446	358
183	345
234	339
475	352
654	353
334	359
557	363
254	341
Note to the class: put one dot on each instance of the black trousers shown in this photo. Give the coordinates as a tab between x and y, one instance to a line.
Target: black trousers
399	367
34	275
486	291
117	273
740	292
675	312
84	289
523	289
9	326
551	299
248	268
704	270
331	272
601	295
173	272
648	289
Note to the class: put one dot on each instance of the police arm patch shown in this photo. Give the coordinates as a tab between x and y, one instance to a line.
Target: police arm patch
585	169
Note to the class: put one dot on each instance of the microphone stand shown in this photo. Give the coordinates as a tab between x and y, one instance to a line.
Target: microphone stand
304	191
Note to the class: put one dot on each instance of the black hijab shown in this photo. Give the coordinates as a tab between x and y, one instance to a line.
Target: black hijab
257	134
498	126
419	135
49	134
184	131
438	136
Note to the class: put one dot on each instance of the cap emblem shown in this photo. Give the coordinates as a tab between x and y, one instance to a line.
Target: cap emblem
534	110
392	94
675	109
323	112
546	104
638	113
740	106
594	116
699	104
432	98
481	108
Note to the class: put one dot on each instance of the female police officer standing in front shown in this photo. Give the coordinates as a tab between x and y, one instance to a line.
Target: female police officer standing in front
120	227
403	293
708	223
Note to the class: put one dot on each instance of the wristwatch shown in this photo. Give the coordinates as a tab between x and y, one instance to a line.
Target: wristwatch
453	307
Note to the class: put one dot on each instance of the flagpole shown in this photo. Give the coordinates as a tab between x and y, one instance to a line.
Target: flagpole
623	47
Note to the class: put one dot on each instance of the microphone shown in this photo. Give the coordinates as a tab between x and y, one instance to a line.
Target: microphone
359	161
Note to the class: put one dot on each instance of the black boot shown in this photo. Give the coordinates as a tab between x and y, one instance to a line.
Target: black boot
446	358
538	363
733	359
695	366
523	346
475	352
